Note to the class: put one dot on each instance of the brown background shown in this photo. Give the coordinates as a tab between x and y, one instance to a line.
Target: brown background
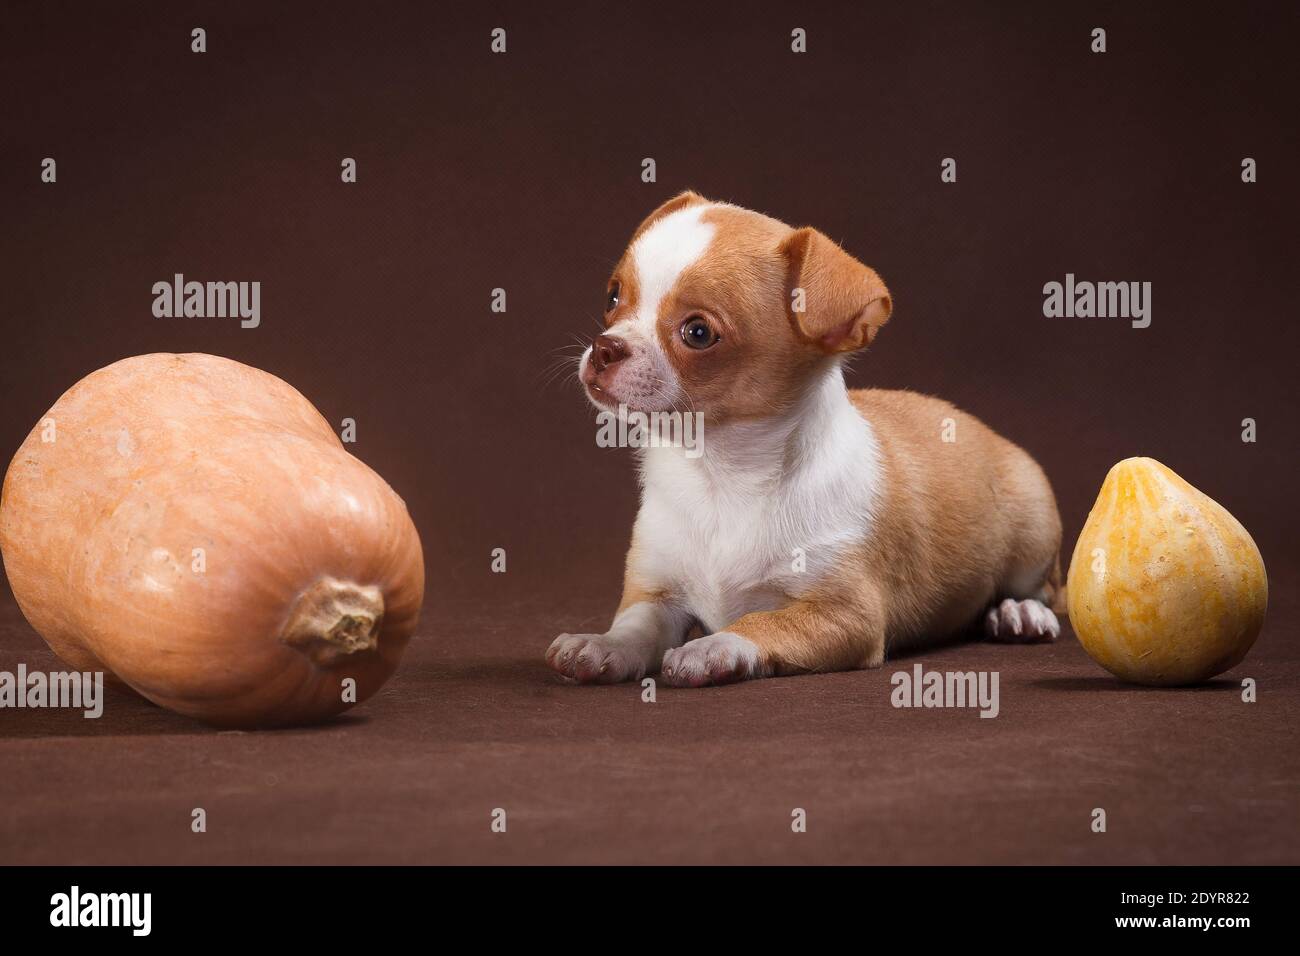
522	171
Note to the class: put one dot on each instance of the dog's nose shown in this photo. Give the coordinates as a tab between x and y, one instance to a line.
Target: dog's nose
607	350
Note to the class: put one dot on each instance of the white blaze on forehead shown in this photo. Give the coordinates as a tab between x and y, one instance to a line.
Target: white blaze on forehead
645	379
662	254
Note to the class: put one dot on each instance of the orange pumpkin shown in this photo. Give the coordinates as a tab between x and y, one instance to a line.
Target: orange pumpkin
195	529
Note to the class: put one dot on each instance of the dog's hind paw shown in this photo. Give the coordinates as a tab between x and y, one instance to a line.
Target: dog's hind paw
1021	622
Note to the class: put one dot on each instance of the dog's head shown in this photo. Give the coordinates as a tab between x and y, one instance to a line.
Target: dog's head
724	311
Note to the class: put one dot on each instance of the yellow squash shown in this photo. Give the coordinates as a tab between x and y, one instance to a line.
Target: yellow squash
194	528
1165	586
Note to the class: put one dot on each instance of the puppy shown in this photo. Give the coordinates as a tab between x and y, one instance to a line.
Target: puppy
817	528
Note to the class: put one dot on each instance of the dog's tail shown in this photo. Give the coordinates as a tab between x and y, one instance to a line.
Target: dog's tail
1055	589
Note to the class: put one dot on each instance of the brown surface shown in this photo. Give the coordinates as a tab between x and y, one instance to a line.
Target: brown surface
473	721
522	172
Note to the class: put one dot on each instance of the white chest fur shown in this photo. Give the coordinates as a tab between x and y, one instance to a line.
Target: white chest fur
762	514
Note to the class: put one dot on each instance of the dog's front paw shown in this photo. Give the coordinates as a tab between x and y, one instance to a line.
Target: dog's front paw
594	659
721	658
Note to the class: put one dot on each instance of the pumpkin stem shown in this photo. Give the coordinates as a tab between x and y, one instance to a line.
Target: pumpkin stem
333	620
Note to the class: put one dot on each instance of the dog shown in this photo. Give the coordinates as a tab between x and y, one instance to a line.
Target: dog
821	528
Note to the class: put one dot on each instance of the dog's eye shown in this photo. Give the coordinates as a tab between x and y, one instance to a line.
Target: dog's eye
612	303
697	333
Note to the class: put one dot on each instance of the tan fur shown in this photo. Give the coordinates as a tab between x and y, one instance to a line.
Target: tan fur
846	302
960	523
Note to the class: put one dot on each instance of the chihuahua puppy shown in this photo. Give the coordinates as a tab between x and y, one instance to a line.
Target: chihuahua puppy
820	528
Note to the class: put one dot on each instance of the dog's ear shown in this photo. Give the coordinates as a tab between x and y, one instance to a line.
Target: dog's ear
835	302
680	201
